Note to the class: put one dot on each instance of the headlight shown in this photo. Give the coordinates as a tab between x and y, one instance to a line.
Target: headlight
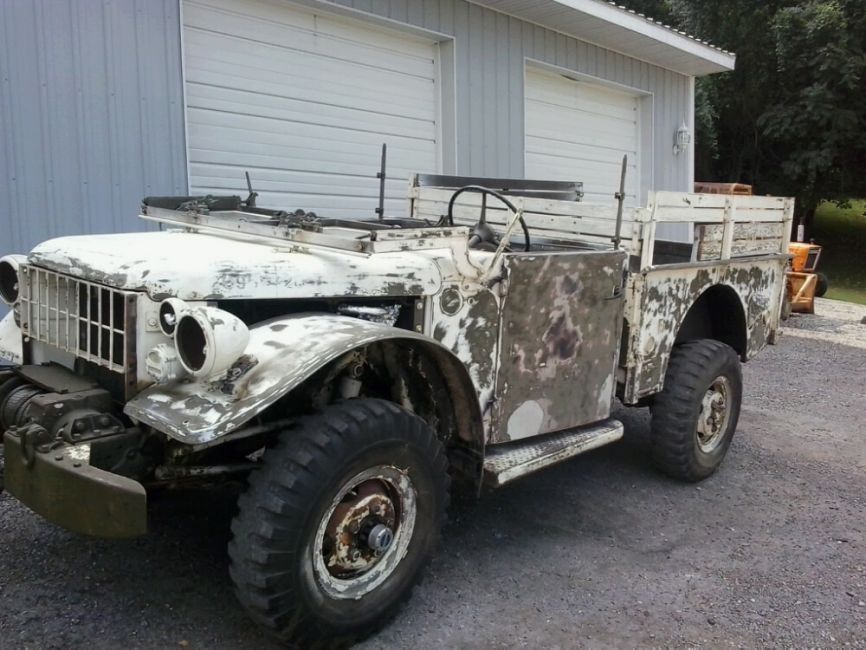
9	266
209	340
170	312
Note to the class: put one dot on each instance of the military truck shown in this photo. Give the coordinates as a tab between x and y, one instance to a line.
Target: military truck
347	371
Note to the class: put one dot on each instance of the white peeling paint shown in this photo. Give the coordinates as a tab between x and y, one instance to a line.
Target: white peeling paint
526	421
195	266
10	340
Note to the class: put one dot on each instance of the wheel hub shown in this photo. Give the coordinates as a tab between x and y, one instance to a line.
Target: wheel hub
360	529
380	538
365	533
714	415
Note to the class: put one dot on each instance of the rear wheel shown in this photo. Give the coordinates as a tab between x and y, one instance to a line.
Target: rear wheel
339	522
695	416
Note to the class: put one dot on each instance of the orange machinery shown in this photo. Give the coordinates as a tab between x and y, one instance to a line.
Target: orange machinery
804	282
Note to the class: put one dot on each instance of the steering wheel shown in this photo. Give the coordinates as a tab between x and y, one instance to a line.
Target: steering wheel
482	234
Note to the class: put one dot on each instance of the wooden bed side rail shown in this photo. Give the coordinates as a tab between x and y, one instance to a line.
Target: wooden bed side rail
725	226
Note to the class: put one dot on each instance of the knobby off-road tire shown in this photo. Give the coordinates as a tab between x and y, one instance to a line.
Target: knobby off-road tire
307	558
695	415
5	390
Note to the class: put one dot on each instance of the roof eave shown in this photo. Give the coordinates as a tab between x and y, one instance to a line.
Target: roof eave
622	30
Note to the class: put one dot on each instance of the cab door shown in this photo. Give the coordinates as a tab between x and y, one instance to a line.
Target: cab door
561	320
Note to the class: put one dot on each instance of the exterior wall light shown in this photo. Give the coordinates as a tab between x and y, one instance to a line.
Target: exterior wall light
682	139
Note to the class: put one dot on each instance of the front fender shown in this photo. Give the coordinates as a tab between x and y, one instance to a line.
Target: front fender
282	353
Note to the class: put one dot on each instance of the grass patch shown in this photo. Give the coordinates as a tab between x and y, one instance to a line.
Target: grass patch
842	233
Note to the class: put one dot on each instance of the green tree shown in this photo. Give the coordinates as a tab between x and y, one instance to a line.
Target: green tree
791	119
815	130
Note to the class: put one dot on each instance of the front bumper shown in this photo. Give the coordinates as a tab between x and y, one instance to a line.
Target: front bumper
62	486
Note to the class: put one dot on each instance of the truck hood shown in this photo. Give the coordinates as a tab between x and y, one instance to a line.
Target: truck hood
195	266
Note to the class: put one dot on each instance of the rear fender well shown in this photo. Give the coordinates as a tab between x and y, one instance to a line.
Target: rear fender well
718	313
283	355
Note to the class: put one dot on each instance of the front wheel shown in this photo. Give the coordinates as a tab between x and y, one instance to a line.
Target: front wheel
339	522
695	415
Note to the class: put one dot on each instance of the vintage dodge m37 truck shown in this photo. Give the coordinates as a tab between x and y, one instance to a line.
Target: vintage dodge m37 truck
347	371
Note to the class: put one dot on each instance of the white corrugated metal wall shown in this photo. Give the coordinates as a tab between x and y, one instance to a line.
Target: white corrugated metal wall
91	115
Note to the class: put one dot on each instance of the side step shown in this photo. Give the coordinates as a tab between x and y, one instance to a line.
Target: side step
510	461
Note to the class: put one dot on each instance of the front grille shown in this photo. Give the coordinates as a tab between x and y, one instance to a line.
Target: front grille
91	321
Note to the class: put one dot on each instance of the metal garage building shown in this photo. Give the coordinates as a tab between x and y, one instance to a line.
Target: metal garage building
105	101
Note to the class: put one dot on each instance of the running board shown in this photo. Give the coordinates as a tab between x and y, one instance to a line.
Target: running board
510	461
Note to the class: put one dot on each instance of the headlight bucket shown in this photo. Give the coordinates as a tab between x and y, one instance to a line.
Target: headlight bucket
170	311
209	340
9	277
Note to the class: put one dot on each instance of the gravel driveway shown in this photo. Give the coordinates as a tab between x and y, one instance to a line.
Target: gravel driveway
599	551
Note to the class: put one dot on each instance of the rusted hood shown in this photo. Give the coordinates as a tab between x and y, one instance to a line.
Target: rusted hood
194	266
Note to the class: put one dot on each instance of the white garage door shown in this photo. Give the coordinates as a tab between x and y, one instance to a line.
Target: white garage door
304	101
579	131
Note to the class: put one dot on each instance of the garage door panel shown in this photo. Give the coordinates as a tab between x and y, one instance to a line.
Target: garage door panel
579	131
286	109
299	160
591	104
387	104
307	78
605	141
273	19
589	172
593	169
563	154
229	128
577	95
284	58
323	159
548	119
264	158
296	147
239	40
589	153
553	139
304	102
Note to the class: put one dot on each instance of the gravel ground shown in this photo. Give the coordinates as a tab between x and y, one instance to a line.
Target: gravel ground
599	551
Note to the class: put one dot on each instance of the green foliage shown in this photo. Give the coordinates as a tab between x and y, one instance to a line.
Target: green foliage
791	119
818	117
842	233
